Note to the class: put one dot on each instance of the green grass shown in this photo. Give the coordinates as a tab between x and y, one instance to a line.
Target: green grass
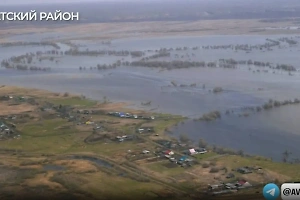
50	144
160	168
73	101
161	125
166	116
50	136
206	156
45	136
108	149
291	170
101	184
124	129
46	128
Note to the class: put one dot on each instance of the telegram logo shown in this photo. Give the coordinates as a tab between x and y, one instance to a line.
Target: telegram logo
271	191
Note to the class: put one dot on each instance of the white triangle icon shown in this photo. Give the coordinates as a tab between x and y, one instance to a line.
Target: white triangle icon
271	192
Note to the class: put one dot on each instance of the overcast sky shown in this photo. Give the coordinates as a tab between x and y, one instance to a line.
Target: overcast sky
20	2
7	2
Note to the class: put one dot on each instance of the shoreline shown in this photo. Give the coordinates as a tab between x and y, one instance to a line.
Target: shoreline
51	143
127	106
167	28
136	105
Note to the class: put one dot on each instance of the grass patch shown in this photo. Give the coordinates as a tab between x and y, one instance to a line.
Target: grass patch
106	149
45	128
49	144
161	124
104	185
162	168
73	101
205	156
167	116
290	170
69	181
46	136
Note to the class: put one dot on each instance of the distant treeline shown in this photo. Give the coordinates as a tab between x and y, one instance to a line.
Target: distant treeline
28	58
144	62
171	64
224	63
158	55
214	115
231	63
103	66
288	40
75	52
9	44
26	67
23	62
19	59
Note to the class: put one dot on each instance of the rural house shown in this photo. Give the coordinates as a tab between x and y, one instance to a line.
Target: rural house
169	152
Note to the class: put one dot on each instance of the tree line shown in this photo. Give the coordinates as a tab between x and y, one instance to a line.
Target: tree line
76	52
26	67
231	63
102	66
214	115
157	55
10	44
223	63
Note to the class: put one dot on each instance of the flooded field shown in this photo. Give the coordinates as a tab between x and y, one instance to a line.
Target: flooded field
98	69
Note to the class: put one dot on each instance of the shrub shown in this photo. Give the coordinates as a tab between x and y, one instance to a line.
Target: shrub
217	89
213	163
205	165
66	94
214	170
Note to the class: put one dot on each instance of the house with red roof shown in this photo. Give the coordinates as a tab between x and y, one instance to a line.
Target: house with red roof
169	152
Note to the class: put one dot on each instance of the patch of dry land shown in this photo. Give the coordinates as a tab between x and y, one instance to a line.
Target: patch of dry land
60	146
152	29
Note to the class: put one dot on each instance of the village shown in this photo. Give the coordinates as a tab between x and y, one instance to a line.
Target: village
125	136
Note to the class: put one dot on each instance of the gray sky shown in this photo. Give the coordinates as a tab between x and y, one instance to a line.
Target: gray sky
15	2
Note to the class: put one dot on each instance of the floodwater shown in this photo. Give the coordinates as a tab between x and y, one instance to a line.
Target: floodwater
8	52
176	41
284	54
268	133
97	161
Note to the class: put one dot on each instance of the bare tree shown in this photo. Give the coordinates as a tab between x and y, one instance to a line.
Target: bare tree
286	155
105	100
